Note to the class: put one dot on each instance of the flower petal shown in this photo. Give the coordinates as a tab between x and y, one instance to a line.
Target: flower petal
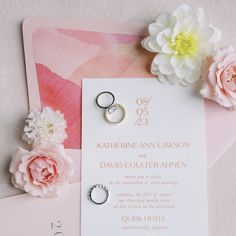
18	181
216	35
207	91
166	49
183	71
193	62
163	37
221	98
194	76
166	69
150	44
161	59
176	61
16	159
212	73
212	34
162	78
154	29
52	148
182	11
173	79
201	17
154	68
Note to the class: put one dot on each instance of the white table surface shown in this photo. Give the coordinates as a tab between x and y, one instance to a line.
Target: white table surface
13	92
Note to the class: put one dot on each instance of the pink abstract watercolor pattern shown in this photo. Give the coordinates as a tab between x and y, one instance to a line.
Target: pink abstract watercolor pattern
63	57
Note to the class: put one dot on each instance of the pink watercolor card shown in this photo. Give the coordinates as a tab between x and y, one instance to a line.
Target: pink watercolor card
60	52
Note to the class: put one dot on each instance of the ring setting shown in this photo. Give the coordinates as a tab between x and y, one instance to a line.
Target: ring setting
98	194
108	114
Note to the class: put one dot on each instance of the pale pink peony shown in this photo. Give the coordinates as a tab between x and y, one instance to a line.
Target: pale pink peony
220	80
41	172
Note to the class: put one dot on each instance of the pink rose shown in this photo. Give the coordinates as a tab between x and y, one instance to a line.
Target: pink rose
220	80
41	172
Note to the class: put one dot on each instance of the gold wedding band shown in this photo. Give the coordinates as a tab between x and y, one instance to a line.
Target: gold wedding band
113	108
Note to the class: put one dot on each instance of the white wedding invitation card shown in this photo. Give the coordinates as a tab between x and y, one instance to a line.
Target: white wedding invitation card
153	163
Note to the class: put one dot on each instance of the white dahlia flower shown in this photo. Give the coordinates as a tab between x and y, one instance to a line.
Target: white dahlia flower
182	40
46	126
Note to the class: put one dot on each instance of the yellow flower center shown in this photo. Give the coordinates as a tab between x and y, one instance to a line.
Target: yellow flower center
50	128
184	44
